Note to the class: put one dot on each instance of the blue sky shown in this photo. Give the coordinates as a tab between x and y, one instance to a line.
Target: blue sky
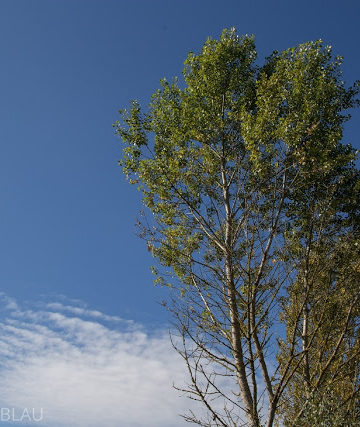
67	214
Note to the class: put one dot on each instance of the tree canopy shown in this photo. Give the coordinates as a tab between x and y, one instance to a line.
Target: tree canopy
256	208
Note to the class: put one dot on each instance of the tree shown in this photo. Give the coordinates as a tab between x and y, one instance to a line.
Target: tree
255	224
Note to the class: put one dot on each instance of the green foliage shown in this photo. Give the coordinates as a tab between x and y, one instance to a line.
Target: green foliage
327	411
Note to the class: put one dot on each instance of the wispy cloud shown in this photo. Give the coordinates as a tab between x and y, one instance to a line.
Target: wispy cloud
84	312
85	368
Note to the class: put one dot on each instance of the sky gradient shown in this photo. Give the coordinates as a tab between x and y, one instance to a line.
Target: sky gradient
67	214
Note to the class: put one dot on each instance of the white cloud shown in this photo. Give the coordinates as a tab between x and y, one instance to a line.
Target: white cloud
84	312
83	372
7	302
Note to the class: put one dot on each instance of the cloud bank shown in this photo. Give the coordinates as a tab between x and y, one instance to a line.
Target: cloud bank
85	368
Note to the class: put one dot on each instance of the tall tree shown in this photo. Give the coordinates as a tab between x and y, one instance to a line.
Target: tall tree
255	206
